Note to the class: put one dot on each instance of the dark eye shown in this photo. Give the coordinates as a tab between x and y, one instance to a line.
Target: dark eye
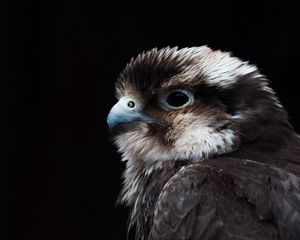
176	99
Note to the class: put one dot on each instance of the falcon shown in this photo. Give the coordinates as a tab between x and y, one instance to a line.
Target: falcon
209	150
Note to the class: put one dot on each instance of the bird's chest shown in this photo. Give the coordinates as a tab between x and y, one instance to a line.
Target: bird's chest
146	197
146	200
145	205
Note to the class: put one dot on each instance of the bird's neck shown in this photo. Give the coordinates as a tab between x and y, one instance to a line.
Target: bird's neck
142	185
283	151
139	173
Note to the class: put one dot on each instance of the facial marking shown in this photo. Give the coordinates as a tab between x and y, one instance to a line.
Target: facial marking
215	68
190	136
199	140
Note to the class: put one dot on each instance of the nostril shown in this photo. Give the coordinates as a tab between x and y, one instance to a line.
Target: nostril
131	104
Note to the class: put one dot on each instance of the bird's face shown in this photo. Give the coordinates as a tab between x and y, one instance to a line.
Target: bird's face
183	104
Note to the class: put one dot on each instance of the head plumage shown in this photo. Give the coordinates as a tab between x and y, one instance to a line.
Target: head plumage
170	67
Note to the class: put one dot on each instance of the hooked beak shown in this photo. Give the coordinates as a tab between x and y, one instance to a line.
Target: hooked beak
124	112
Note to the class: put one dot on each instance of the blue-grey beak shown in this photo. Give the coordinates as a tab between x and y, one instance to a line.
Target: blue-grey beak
126	110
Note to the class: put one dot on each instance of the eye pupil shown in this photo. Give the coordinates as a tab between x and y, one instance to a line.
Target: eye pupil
177	99
131	104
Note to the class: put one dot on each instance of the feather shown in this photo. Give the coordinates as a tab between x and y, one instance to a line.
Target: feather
226	166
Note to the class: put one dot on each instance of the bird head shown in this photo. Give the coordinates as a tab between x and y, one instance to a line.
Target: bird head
191	103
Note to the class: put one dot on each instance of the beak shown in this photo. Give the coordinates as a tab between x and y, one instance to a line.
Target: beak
122	113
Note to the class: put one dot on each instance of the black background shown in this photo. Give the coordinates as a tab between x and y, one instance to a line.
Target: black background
60	173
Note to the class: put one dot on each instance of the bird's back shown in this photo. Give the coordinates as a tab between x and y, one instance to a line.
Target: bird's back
228	198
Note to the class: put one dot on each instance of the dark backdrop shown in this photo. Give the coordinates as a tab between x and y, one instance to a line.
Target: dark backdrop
60	174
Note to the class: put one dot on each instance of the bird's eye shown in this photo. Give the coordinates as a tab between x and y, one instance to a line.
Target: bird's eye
177	99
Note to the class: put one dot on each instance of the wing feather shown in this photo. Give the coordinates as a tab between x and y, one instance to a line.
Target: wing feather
274	192
228	198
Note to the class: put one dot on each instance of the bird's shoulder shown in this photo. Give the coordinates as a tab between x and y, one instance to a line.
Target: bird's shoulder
211	198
